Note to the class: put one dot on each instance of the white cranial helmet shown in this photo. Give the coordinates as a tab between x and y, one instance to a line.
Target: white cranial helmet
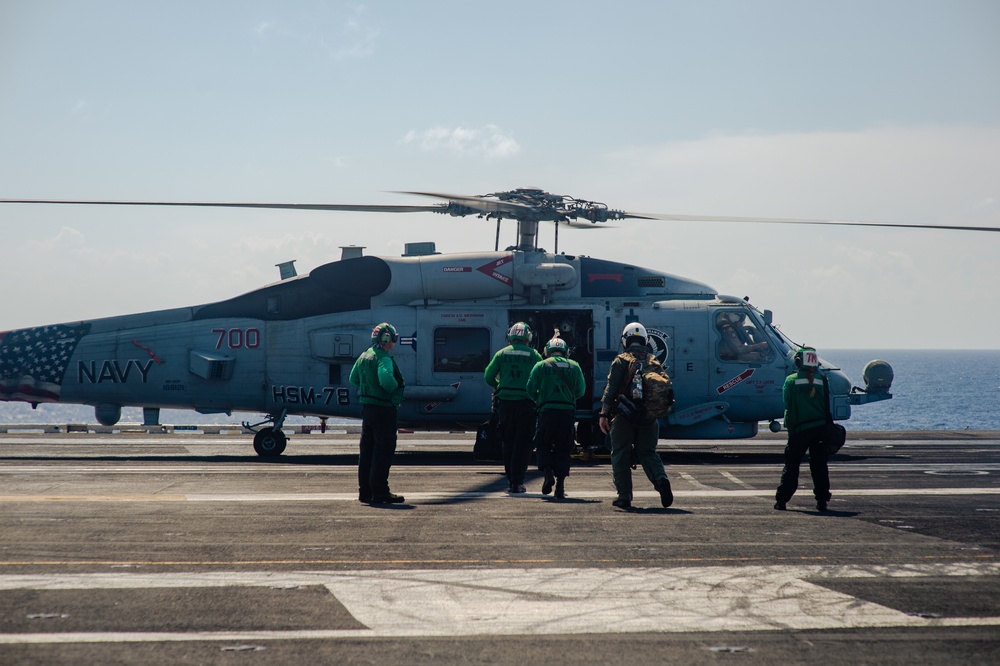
634	330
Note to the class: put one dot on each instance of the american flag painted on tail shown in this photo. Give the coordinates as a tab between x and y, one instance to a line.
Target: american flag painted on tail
33	361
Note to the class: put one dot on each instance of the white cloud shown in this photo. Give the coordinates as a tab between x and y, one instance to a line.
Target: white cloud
358	37
351	38
489	141
66	240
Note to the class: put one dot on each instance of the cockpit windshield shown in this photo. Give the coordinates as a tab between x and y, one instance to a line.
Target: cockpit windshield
741	337
784	339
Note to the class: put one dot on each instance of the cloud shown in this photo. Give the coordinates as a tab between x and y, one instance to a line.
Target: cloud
66	241
352	37
358	37
78	252
490	141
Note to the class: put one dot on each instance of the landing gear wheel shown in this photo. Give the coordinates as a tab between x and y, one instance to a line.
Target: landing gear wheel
269	443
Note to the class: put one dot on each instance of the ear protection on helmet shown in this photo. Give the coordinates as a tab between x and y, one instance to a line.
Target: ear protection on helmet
520	332
806	357
384	333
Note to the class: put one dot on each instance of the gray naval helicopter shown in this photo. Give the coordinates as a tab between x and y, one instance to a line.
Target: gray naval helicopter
287	348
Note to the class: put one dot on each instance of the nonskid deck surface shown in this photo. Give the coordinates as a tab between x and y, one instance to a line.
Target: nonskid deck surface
170	546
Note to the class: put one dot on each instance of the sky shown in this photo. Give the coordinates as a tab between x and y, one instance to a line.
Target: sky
874	110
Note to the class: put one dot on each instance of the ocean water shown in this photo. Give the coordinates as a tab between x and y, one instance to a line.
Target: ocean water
932	390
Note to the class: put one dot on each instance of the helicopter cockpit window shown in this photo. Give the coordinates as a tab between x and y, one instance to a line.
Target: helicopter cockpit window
740	338
461	349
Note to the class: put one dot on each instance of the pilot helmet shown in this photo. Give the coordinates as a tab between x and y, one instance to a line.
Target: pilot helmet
634	330
555	345
806	358
520	332
384	333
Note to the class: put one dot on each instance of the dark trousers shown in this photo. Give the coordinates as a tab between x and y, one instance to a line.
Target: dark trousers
643	438
517	430
378	446
795	450
554	441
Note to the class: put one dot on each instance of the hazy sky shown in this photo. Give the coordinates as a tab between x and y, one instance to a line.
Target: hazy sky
872	110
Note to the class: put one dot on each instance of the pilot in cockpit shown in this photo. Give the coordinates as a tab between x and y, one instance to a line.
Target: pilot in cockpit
736	344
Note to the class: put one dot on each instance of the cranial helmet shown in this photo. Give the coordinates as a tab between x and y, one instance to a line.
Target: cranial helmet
634	330
728	318
806	358
520	332
384	333
555	345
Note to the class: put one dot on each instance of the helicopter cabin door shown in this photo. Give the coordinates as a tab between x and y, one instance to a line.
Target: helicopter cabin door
453	347
576	327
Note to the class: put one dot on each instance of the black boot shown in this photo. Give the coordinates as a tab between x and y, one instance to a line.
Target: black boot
666	495
389	498
560	488
549	482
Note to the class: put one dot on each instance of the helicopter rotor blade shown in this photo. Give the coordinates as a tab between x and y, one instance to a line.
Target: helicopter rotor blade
626	215
481	204
461	205
582	224
780	220
366	208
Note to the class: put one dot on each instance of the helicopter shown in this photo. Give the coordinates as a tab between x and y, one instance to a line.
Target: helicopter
287	348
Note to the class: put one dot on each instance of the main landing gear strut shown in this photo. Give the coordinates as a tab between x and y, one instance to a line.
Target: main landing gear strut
269	442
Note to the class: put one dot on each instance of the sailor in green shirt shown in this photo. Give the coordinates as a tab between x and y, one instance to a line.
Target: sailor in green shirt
555	385
507	373
806	407
381	384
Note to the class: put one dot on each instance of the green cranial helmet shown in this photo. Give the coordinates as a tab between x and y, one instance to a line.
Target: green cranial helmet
384	333
520	332
555	345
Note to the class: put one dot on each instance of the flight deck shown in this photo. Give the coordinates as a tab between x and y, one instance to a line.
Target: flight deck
185	545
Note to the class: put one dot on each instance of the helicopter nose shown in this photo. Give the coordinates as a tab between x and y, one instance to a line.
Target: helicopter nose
840	384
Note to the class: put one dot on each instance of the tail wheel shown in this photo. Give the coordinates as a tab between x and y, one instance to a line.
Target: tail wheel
269	443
